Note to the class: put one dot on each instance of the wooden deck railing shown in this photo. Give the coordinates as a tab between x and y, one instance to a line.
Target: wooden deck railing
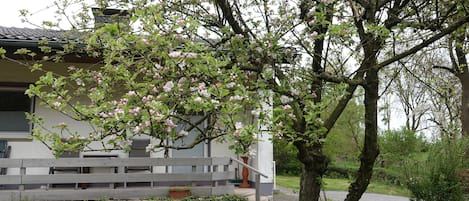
114	184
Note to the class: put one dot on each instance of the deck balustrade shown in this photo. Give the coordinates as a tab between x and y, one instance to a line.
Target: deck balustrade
116	184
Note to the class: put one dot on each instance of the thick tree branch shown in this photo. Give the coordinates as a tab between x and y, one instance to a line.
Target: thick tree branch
228	13
451	70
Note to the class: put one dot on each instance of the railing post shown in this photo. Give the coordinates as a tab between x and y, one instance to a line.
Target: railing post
215	169
22	173
194	169
258	187
226	168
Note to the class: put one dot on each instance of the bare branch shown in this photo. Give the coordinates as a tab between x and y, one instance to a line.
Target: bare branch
425	43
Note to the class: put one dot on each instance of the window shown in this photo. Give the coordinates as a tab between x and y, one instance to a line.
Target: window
13	105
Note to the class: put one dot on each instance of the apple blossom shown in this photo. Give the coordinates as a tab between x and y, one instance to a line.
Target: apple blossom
168	86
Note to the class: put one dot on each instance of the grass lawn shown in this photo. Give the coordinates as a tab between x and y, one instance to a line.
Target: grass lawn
293	182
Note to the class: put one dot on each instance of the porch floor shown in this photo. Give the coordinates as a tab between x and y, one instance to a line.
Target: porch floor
250	193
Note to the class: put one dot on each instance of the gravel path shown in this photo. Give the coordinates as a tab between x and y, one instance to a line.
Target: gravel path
288	195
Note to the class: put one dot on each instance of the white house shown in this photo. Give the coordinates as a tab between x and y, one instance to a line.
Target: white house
15	131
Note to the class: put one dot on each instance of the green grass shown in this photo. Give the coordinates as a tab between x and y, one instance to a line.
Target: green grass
293	182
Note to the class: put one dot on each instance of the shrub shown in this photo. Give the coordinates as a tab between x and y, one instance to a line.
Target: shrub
436	179
396	145
286	159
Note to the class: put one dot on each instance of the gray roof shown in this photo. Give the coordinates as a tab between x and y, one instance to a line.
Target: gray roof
28	34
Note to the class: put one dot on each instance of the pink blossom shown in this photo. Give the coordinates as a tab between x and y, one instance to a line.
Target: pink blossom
137	129
131	93
168	86
287	107
135	111
279	124
123	101
182	81
147	98
119	111
153	112
170	123
314	94
313	35
157	76
103	114
145	41
147	123
201	86
180	21
291	116
174	54
237	133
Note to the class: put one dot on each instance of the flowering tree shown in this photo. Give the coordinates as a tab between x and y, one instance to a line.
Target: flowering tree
308	56
151	84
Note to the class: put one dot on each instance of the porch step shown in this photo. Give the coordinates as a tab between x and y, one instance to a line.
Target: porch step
250	193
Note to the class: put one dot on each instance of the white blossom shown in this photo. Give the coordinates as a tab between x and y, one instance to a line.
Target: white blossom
204	93
149	147
256	112
285	99
183	133
57	104
238	125
168	86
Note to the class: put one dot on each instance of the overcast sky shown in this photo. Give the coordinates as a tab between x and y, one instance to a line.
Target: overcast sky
40	9
9	11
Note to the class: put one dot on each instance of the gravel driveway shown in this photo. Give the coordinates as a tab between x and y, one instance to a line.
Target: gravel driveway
288	195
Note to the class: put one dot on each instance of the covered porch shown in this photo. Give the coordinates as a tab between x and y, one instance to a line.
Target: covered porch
209	176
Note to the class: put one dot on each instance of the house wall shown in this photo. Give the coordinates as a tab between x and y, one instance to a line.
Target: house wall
26	148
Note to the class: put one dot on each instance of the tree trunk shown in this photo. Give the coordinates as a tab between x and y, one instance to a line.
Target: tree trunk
464	78
370	149
314	166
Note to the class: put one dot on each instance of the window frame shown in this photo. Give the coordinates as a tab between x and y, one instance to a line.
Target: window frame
18	135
